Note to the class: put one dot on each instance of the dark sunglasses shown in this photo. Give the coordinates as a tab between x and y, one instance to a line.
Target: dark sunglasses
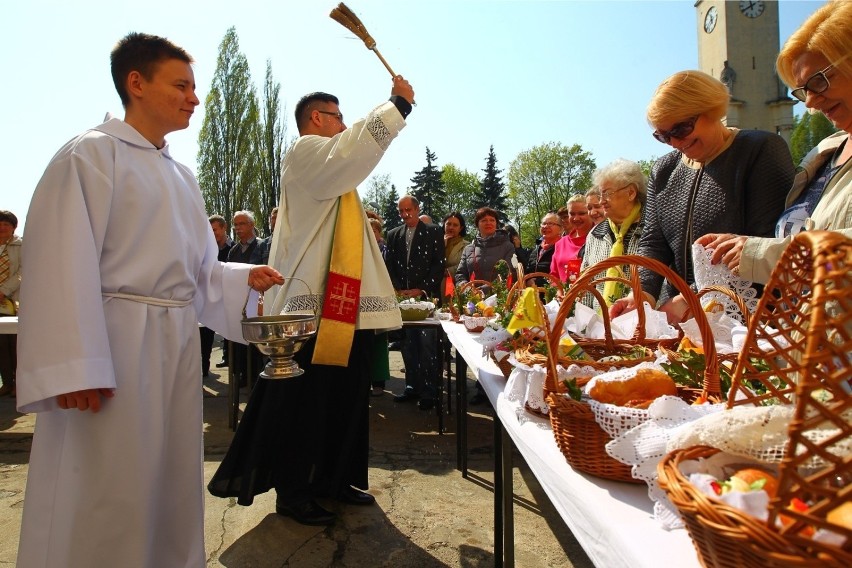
679	130
816	84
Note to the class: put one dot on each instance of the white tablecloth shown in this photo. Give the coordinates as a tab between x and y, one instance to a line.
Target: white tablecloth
613	521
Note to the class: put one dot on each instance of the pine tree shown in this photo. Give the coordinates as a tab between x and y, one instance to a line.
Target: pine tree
428	187
492	189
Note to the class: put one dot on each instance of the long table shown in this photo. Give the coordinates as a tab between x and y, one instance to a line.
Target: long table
612	521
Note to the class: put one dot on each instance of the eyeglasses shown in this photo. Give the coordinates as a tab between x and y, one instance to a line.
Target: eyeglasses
816	84
338	115
680	130
607	195
543	225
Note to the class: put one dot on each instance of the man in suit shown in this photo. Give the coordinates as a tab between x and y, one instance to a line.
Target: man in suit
246	249
415	261
224	242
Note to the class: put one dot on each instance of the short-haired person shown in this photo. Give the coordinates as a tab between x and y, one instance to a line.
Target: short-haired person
247	249
10	283
577	224
815	63
479	259
717	179
116	476
622	191
541	255
219	226
489	246
415	261
596	209
521	253
307	437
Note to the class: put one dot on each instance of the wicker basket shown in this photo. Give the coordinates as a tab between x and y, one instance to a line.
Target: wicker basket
809	305
577	433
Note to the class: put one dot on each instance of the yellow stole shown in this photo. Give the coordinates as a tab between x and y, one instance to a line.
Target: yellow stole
610	287
343	286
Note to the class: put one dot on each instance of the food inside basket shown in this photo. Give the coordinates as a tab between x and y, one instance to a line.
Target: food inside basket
750	488
638	391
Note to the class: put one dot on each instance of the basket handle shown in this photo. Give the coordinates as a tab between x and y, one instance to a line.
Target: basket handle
712	384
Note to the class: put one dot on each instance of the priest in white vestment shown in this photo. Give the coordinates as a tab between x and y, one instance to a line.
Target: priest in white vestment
124	267
308	437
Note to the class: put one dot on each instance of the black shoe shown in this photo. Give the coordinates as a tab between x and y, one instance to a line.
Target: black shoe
478	398
426	404
221	364
395	346
307	513
408	395
352	496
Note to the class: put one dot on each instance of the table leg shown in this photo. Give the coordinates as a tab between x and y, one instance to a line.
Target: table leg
438	381
448	348
461	414
499	489
508	496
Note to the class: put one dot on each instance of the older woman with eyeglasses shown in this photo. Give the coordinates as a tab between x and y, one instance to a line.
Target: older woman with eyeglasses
718	179
542	253
816	62
622	193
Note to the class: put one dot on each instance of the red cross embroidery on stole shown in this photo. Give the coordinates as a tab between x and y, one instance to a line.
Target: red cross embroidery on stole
341	298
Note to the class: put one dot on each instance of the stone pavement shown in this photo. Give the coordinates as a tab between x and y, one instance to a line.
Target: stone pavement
427	515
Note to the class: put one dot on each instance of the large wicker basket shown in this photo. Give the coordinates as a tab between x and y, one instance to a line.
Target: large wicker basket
805	319
577	433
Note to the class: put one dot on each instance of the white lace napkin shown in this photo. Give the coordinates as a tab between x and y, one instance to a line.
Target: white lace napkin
645	445
707	274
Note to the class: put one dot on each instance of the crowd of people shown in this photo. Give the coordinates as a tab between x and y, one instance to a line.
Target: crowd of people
119	429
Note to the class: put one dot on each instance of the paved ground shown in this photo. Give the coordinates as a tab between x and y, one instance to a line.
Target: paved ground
427	515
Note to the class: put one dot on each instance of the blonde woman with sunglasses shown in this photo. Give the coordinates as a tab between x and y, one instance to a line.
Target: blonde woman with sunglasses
716	180
815	62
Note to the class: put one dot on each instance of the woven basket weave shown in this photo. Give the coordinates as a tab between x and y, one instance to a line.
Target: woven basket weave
808	304
578	435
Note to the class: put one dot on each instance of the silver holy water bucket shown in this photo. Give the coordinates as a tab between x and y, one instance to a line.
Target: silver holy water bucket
279	337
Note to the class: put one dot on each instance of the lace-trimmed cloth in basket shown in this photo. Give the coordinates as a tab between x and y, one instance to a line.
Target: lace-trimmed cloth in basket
708	274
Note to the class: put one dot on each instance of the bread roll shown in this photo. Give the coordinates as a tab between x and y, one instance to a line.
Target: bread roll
646	385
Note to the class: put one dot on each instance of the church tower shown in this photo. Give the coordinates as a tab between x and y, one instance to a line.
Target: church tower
738	42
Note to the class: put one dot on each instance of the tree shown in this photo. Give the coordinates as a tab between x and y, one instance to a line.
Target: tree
270	136
460	188
542	179
646	166
491	188
227	158
390	209
807	132
378	187
427	186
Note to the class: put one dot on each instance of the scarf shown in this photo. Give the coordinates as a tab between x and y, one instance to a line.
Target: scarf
611	287
343	287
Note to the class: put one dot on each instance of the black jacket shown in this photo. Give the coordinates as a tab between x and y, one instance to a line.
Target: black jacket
424	268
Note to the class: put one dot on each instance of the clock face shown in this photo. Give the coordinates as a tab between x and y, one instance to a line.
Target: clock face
710	19
752	8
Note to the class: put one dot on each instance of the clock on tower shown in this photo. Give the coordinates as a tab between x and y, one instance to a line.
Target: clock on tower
737	43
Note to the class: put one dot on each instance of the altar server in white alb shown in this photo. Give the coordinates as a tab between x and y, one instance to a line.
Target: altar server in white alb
308	437
124	269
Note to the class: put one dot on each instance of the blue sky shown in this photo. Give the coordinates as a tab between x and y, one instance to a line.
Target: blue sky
512	74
